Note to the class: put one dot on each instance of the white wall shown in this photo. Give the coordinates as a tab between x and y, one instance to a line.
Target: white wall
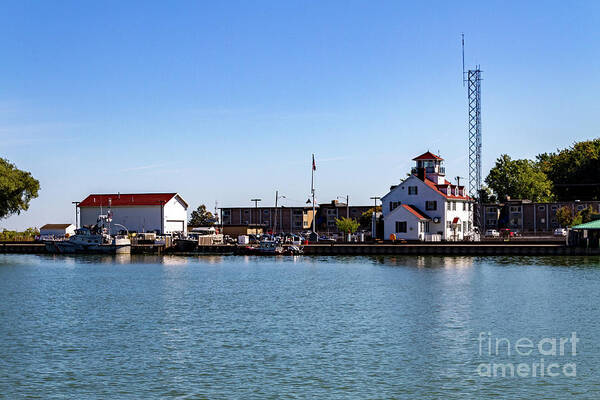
401	214
175	214
425	193
142	218
58	232
135	218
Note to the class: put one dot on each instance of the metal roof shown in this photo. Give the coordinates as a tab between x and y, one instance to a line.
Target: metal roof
128	199
588	225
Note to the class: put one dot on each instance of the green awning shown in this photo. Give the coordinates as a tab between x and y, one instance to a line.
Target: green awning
589	225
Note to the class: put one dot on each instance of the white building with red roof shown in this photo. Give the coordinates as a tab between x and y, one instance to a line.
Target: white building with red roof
163	213
426	206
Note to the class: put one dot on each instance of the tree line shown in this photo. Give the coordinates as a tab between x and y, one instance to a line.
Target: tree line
565	175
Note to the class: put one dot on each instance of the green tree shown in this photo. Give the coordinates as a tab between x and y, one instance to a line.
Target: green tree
486	195
519	179
17	189
564	216
574	171
201	217
346	225
367	216
14	236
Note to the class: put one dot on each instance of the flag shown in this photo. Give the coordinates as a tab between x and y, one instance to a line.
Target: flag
314	165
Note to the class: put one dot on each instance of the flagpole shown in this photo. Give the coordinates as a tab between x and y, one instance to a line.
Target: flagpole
312	189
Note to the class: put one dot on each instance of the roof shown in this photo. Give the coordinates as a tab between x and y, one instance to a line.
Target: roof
588	225
128	199
427	156
56	226
415	211
435	187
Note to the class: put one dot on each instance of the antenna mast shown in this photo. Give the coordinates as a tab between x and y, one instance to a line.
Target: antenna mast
473	81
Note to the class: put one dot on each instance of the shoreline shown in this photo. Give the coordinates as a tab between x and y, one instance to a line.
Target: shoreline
359	249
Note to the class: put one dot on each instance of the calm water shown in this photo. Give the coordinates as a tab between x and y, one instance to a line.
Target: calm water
238	328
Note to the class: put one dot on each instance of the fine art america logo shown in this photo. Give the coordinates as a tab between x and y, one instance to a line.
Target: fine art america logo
552	356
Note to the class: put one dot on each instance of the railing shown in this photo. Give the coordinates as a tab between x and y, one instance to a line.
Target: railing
433	237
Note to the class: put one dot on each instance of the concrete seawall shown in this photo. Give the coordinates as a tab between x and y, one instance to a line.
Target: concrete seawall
450	249
441	249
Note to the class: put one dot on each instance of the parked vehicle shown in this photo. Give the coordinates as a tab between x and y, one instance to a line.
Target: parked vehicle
505	232
560	232
492	233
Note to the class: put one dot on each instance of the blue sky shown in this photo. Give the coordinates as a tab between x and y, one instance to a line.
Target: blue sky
226	101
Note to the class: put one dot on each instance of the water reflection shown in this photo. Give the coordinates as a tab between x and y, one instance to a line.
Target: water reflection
427	261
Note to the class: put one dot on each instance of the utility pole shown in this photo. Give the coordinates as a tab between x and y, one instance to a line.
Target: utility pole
277	197
374	218
76	213
255	207
347	204
312	189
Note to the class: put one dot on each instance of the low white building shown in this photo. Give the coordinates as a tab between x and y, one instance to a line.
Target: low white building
163	213
57	230
426	206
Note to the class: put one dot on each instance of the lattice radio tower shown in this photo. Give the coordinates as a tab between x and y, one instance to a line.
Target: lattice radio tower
472	78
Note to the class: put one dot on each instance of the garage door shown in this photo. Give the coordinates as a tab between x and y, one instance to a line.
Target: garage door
174	225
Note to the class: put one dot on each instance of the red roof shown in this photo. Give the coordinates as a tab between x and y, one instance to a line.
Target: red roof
427	156
127	199
415	211
435	187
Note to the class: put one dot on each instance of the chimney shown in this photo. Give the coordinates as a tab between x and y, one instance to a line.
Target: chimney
421	173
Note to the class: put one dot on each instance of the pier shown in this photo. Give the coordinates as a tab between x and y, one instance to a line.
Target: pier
358	249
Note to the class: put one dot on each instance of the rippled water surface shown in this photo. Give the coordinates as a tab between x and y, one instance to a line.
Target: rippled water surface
241	327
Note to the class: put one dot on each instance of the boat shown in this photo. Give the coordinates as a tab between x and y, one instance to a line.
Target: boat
269	247
293	250
93	239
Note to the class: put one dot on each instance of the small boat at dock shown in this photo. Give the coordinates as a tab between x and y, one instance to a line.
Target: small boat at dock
91	240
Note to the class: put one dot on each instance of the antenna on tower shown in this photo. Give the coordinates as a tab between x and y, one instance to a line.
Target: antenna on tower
473	82
463	57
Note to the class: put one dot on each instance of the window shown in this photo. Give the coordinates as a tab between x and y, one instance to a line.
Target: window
453	206
542	208
413	190
554	208
464	226
515	209
464	206
449	206
490	209
491	222
400	226
394	205
266	212
431	205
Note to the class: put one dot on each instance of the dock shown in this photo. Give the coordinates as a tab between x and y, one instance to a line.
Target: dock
513	248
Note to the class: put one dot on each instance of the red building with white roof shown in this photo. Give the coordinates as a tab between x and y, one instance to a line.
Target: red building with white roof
163	213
